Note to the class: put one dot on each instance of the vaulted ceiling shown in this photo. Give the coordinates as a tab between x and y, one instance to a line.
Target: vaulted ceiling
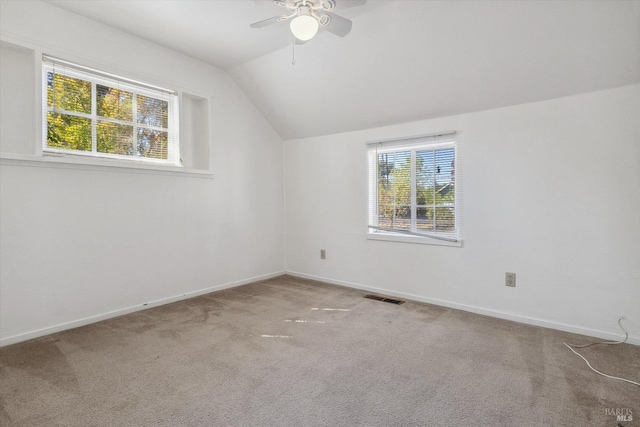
403	60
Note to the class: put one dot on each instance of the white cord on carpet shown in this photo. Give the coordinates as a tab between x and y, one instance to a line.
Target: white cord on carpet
626	336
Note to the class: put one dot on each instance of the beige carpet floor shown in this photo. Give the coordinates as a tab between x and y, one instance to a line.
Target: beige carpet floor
293	352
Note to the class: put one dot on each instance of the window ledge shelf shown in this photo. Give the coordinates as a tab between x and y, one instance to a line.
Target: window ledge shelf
399	238
108	165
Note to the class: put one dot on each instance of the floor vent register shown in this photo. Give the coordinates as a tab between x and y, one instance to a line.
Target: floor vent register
385	299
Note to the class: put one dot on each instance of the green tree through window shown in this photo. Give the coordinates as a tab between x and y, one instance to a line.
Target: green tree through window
92	114
416	191
68	118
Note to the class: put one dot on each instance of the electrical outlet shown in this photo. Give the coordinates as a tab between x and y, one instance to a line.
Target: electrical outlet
323	254
510	279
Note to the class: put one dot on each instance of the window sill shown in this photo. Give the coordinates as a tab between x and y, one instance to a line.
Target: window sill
108	165
400	238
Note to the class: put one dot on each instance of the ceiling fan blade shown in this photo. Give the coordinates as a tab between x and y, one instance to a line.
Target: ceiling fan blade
345	4
267	22
338	25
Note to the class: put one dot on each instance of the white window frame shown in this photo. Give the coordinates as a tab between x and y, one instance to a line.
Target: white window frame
436	141
97	77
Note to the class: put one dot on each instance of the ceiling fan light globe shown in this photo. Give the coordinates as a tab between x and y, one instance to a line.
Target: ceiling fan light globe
304	27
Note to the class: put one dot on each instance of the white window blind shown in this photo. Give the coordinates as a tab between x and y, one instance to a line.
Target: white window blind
91	112
412	187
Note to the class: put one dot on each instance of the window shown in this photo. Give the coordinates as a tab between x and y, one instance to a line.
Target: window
89	112
412	189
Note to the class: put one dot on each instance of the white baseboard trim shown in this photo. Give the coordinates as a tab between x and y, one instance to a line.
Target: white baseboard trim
115	313
478	310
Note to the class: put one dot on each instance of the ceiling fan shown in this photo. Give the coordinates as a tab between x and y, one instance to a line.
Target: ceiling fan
311	15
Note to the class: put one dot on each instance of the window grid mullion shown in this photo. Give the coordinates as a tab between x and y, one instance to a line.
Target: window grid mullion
127	123
69	113
376	204
413	191
433	184
134	116
94	118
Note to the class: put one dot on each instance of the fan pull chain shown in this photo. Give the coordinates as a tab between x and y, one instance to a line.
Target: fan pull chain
293	49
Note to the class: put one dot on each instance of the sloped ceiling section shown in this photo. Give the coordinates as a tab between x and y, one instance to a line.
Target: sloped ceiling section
410	60
403	61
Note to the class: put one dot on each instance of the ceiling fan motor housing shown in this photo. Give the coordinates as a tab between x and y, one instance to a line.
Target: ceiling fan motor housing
307	15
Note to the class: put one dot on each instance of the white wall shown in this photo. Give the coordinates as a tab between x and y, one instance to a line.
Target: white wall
80	244
551	192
